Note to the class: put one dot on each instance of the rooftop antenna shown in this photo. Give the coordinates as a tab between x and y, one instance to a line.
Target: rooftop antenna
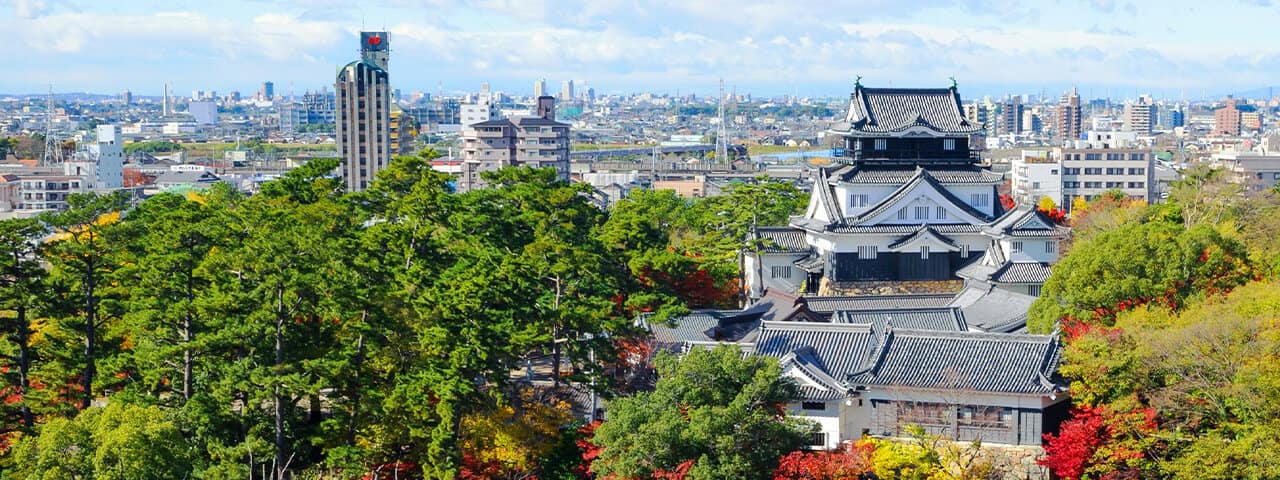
52	147
722	154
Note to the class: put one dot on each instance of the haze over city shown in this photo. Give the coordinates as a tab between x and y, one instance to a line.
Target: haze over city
1108	48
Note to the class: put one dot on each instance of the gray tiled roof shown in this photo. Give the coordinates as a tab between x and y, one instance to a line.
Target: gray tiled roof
891	175
856	354
879	110
1024	222
973	361
946	319
992	309
839	349
812	263
705	326
783	240
832	304
1022	272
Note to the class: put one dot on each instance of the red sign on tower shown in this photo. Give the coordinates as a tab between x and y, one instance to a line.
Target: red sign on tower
375	40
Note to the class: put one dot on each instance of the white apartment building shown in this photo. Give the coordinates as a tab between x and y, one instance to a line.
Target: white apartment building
102	163
1036	174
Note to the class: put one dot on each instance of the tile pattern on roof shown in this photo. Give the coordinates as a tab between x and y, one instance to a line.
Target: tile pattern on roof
923	232
882	110
837	349
783	240
943	319
890	175
830	305
982	362
1022	272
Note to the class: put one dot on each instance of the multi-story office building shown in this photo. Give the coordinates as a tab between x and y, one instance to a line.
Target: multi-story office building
363	114
1067	121
1010	118
539	88
1226	119
267	92
431	115
1138	115
1088	172
538	141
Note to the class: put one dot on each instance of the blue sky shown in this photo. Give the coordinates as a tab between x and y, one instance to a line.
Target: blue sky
1115	48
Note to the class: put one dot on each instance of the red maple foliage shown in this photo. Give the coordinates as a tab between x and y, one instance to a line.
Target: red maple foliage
679	473
849	462
1057	215
590	451
1097	440
1007	202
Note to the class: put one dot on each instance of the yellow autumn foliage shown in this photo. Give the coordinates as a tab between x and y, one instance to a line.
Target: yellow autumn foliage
516	436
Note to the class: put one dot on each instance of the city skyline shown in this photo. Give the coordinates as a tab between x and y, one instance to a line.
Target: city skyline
1110	49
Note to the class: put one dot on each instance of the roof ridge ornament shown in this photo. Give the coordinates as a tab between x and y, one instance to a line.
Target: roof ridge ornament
857	82
953	82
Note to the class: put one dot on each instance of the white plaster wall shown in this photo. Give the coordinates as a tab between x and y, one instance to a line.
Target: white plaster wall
828	421
1033	249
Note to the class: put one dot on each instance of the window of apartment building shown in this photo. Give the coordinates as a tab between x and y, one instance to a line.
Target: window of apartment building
1093	171
1092	184
882	144
948	144
1115	156
859	200
902	213
1093	156
924	252
1053	172
1035	185
867	252
980	199
783	271
1137	184
1275	176
922	213
1115	184
1071	171
1137	171
1071	184
1017	246
1115	171
819	406
941	213
1137	156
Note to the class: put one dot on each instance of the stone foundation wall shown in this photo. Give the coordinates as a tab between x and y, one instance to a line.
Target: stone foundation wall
829	287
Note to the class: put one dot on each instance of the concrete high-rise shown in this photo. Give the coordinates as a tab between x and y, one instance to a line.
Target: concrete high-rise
363	114
1226	119
1067	120
267	92
1138	115
540	88
537	141
566	91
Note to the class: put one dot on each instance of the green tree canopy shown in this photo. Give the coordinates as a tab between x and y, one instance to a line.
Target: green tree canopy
717	411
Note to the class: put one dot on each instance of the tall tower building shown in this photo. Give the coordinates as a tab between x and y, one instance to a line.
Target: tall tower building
540	88
1138	114
566	91
1067	120
267	92
363	114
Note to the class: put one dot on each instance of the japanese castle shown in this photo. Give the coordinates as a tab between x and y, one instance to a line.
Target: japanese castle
900	296
909	203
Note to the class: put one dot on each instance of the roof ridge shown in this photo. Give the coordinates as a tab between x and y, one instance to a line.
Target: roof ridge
970	334
814	326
